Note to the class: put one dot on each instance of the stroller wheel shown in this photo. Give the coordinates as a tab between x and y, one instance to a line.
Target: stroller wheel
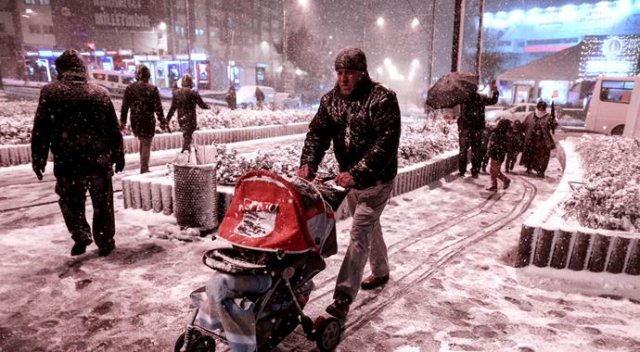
328	333
203	344
180	341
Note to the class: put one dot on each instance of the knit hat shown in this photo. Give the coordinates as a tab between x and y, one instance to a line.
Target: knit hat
70	60
351	58
143	73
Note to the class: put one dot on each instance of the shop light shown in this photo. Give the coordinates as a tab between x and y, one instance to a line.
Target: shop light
45	53
99	53
198	56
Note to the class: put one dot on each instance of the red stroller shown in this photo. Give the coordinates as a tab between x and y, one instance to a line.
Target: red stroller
277	231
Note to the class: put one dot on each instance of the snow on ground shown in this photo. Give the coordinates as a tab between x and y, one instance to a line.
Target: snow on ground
452	285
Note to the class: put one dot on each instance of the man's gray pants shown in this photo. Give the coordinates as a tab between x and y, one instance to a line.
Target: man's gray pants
366	241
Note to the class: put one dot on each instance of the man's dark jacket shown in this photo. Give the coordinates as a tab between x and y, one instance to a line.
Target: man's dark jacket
143	99
472	112
77	121
185	101
364	129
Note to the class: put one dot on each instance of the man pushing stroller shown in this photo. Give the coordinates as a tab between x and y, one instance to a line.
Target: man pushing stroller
362	119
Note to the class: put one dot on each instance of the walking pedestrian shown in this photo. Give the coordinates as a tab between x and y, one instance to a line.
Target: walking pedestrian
497	151
538	140
185	100
515	142
77	122
231	97
471	123
143	98
259	98
362	120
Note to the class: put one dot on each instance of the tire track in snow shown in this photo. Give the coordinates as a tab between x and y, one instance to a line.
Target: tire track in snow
363	311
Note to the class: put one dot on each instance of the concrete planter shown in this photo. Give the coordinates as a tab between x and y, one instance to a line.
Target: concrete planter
135	189
21	153
546	241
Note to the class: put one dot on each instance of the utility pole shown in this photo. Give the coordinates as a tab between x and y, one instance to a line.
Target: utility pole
479	47
432	44
188	36
458	35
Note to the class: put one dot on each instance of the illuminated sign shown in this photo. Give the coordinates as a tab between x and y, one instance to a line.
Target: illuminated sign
122	14
609	56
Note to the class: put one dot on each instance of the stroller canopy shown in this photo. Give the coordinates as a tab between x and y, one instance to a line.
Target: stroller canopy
269	212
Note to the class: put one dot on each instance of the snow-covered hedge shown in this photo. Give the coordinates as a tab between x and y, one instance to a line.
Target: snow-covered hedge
419	142
16	119
610	196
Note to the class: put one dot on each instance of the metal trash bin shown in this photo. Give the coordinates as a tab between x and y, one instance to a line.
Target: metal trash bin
195	196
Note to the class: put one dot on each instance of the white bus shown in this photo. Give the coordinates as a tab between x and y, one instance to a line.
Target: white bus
611	103
114	81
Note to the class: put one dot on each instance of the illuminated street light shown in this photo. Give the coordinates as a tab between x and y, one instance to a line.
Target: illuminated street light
162	26
380	22
415	23
415	63
303	3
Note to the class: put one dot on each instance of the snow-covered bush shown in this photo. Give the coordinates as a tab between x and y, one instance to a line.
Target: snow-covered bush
16	119
419	142
610	196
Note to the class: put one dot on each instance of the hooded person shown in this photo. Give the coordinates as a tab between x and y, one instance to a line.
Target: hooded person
184	100
362	120
538	140
143	99
76	122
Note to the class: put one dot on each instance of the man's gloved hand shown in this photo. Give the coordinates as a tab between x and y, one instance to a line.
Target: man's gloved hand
38	169
344	179
306	172
120	164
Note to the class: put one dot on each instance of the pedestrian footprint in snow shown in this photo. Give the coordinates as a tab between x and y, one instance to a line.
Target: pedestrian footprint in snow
76	121
362	120
497	151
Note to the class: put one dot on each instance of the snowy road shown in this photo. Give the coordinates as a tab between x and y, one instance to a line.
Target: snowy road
452	287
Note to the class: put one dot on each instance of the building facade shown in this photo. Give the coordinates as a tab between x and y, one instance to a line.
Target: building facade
217	41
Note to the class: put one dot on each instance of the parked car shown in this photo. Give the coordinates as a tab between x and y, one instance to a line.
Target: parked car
516	112
114	81
287	101
246	96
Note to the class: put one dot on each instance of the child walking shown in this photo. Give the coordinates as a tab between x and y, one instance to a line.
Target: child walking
497	151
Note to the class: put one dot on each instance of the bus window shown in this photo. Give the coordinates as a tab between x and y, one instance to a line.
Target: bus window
99	76
127	80
113	78
616	91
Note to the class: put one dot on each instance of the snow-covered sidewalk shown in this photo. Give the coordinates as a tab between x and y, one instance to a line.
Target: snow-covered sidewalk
452	287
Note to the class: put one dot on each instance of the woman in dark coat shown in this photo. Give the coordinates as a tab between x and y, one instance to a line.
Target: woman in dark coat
231	97
185	100
538	141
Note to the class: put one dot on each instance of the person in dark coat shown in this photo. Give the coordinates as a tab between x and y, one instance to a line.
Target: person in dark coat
76	121
143	99
515	142
361	118
497	151
484	145
470	125
231	97
259	98
538	140
185	100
